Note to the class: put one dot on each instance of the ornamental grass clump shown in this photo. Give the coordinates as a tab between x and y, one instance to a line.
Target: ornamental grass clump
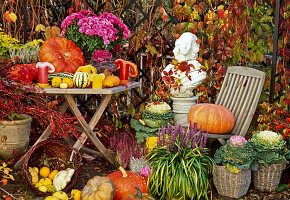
180	164
270	148
237	154
91	32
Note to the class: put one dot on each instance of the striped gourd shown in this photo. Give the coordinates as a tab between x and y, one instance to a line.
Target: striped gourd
61	75
81	79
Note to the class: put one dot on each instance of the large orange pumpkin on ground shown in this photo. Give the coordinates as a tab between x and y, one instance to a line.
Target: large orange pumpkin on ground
214	118
125	183
62	53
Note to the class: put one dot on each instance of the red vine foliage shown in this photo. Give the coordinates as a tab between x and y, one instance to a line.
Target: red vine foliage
15	98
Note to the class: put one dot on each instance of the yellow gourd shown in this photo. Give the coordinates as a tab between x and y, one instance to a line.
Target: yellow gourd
56	81
69	82
63	85
88	69
76	194
51	198
61	195
52	174
111	81
34	175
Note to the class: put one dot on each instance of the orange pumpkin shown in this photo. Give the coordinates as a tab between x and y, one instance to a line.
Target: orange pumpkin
214	118
62	53
125	183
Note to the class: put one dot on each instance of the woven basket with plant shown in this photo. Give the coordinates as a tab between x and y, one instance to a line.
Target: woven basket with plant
54	154
271	154
232	175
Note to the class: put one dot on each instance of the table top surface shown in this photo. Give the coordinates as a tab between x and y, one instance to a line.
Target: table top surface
112	90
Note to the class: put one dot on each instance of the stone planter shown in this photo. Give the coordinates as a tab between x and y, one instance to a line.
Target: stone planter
229	184
268	178
14	137
181	107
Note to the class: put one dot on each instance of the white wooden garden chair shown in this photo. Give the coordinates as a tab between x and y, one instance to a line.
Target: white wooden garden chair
240	93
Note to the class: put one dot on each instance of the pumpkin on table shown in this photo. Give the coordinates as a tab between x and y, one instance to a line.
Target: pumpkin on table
98	188
125	183
62	53
214	118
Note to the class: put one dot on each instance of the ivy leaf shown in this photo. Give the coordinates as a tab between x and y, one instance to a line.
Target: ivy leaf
151	49
253	58
258	30
266	18
259	56
266	27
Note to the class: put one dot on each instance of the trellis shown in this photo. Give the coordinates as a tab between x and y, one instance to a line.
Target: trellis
172	20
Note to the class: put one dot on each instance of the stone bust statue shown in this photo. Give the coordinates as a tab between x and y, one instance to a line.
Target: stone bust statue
186	49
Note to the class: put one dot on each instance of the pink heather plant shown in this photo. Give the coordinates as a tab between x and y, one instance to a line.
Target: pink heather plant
102	56
91	32
145	171
237	141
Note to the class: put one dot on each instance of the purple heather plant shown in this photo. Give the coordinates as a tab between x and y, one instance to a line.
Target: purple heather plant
126	147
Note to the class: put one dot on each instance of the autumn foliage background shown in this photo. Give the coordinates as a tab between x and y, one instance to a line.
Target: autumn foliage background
235	32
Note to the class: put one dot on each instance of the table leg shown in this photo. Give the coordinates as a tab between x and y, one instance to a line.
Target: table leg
81	141
44	136
87	129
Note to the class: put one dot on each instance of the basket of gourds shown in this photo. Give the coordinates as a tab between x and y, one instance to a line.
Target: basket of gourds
50	166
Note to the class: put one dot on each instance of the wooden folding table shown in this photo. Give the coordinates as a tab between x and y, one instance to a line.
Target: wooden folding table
69	102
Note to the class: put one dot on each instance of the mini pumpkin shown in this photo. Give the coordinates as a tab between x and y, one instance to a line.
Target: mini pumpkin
98	188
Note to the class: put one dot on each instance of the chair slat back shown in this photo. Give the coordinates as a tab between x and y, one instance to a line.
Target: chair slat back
240	93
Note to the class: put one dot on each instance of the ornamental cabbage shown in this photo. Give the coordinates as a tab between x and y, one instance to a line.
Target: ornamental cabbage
270	148
236	157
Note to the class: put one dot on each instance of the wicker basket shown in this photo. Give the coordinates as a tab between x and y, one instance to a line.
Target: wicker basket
268	178
54	154
229	184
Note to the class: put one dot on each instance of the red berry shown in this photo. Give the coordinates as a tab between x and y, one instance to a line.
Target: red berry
287	131
284	137
278	127
288	120
271	127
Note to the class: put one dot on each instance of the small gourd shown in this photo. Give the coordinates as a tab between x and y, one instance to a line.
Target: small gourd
81	79
98	188
88	69
111	81
63	85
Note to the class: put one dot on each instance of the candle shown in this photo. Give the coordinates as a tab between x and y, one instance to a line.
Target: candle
43	73
98	81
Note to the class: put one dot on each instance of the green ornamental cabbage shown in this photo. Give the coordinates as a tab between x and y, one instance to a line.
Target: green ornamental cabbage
270	148
237	154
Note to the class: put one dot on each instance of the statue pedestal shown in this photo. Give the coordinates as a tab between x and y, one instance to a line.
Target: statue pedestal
181	107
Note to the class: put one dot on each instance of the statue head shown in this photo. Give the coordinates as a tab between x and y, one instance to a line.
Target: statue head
186	47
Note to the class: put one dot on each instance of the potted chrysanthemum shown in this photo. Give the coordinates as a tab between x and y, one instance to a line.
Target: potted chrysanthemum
91	32
272	154
232	174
